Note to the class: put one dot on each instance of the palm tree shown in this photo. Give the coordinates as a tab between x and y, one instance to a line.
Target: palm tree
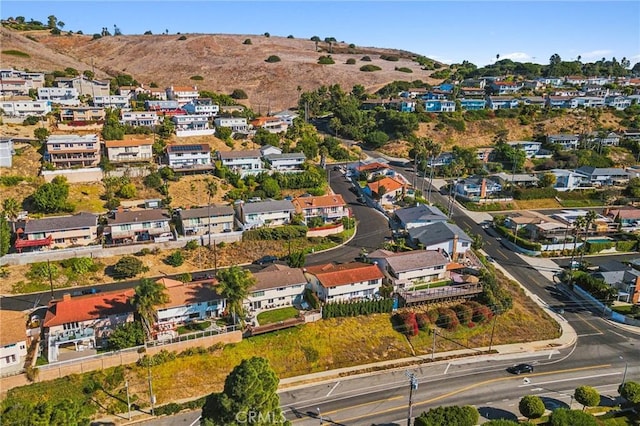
234	284
212	189
11	209
316	39
589	218
149	294
330	41
434	149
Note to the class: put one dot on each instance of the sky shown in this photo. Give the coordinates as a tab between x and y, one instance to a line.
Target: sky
448	31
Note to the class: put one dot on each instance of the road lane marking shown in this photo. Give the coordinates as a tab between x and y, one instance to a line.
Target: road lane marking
447	369
364	404
572	379
589	334
589	324
617	334
466	388
502	253
333	388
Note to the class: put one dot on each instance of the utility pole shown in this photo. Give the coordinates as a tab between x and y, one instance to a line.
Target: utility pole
215	257
493	329
433	348
50	277
152	397
413	384
430	178
126	384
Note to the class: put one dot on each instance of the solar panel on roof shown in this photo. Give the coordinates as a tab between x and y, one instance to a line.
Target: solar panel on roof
184	148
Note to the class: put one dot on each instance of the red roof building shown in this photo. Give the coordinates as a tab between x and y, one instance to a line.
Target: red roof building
347	281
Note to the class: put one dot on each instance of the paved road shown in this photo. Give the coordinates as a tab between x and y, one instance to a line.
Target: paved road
372	229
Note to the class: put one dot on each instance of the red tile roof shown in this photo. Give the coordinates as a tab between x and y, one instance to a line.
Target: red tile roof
372	166
181	294
332	275
388	183
302	203
85	308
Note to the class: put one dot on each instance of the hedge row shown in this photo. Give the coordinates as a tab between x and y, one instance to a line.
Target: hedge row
279	233
595	286
529	245
469	314
534	193
352	309
626	246
597	247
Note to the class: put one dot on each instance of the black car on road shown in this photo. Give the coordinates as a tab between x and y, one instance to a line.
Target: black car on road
264	260
520	368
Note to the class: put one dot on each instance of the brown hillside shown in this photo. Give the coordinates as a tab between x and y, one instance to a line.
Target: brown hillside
224	62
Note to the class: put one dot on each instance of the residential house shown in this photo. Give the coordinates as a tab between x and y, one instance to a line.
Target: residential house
575	80
589	101
567	142
344	282
236	124
536	101
188	302
66	151
604	176
269	149
561	102
59	95
270	124
442	160
502	102
25	107
58	232
523	180
131	149
435	95
84	323
439	106
13	341
84	86
6	152
196	156
287	162
627	217
158	94
286	116
600	225
139	118
552	81
533	84
374	169
633	134
530	148
265	213
501	88
470	83
618	102
244	162
477	187
182	94
329	208
111	101
192	125
204	220
472	104
82	113
568	180
202	106
484	154
386	190
420	215
624	278
161	105
14	86
127	227
608	139
403	105
413	93
276	286
473	92
444	236
410	268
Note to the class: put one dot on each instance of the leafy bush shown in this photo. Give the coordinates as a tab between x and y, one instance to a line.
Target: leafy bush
239	94
272	58
531	406
351	61
17	53
370	68
182	38
596	246
447	319
267	35
80	265
565	417
406	323
453	415
175	259
630	391
626	246
326	60
392	58
128	267
279	233
463	312
587	396
31	120
352	309
423	321
365	59
196	77
192	245
595	286
11	180
311	298
41	271
529	245
404	69
247	41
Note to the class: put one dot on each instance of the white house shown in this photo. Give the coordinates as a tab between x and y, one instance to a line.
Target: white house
83	323
269	149
139	118
202	220
138	226
130	149
287	162
410	268
202	106
604	176
276	286
265	213
286	116
59	95
182	94
609	139
531	148
6	152
23	108
443	236
188	302
568	142
329	208
236	124
67	151
567	180
192	125
270	124
189	156
14	86
111	101
344	282
13	340
243	162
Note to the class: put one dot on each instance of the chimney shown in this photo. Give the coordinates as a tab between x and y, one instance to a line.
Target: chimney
483	188
66	297
454	252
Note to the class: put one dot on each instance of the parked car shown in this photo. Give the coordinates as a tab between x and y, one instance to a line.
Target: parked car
91	291
520	368
264	260
490	259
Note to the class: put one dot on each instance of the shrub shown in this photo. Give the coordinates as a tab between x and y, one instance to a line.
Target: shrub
565	417
587	396
196	77
267	35
182	38
423	321
481	314
11	180
531	407
192	245
128	267
597	247
279	233
464	313
365	59
239	94
447	319
326	60
18	53
392	58
404	69
272	58
630	391
453	415
626	246
406	323
370	68
247	41
290	36
31	120
351	61
175	259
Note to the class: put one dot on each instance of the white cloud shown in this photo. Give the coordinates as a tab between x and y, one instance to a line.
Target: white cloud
636	56
596	53
440	59
517	56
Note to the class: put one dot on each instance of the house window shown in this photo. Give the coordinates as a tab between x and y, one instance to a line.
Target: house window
70	326
212	304
126	227
281	288
194	315
59	240
373	282
465	244
159	224
146	225
258	294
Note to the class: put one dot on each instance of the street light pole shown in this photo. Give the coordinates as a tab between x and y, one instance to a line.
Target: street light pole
126	384
626	366
320	416
413	384
493	328
433	349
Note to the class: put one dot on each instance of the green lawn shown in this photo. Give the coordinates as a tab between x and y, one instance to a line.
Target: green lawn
622	309
581	203
431	285
196	326
277	315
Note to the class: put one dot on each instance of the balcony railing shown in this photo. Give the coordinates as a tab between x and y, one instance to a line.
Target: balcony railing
72	335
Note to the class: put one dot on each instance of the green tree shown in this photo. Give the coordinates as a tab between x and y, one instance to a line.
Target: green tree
149	294
270	187
234	284
587	396
296	259
52	22
223	133
531	406
128	267
547	180
501	422
5	235
41	134
251	387
630	391
52	197
565	417
316	39
11	209
126	336
239	94
175	259
128	191
445	416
